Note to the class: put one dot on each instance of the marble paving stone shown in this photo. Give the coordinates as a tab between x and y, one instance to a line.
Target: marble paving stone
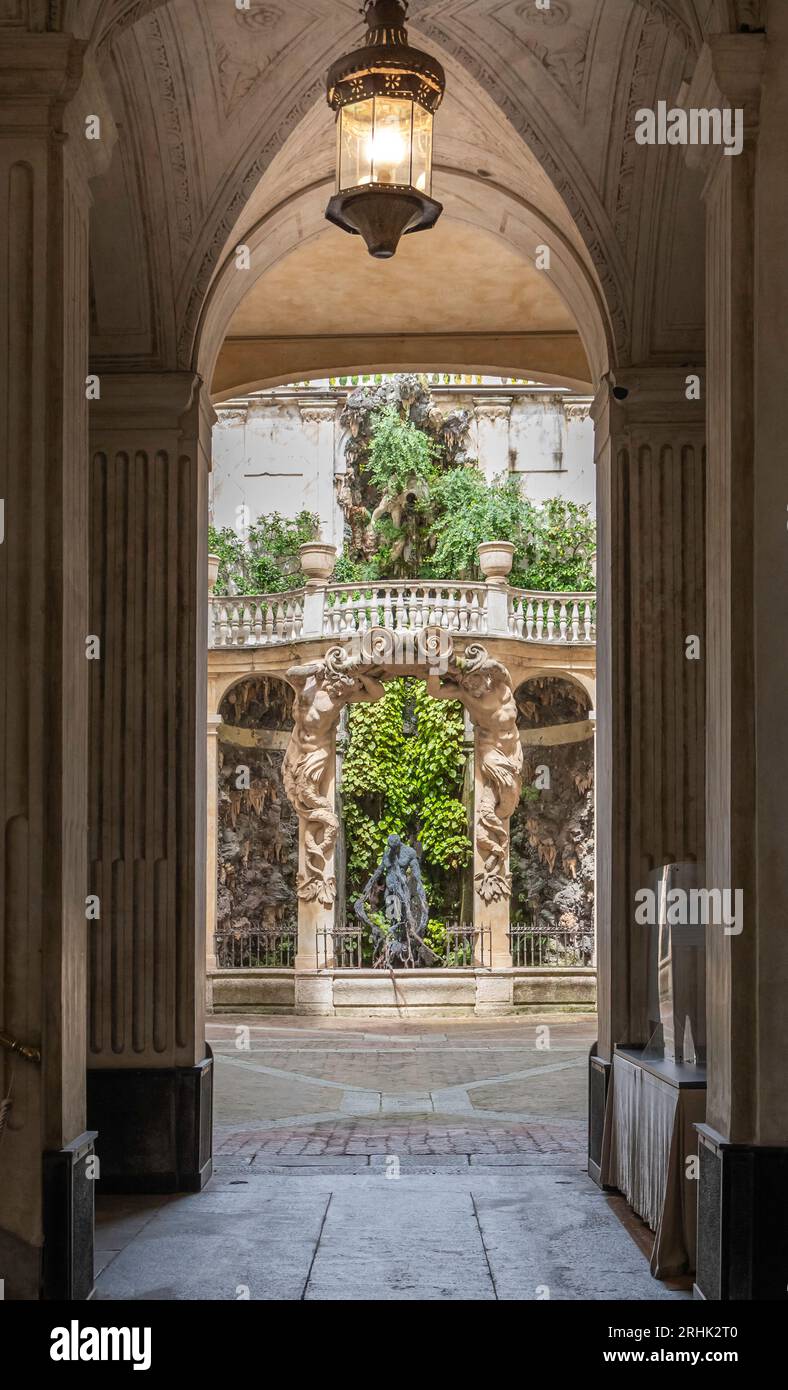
558	1234
399	1242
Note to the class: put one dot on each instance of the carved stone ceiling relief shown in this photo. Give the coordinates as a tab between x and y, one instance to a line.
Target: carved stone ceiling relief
558	38
678	17
249	44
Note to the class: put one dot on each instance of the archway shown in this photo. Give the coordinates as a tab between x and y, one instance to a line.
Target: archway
629	225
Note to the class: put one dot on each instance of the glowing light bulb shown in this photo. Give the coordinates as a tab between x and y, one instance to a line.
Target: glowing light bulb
386	149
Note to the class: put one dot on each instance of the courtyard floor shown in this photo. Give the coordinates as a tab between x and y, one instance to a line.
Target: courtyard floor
378	1159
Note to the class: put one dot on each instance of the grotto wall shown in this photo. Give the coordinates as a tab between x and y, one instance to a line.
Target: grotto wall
257	826
552	830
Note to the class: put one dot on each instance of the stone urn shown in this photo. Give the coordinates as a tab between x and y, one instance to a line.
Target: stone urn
317	561
495	560
214	562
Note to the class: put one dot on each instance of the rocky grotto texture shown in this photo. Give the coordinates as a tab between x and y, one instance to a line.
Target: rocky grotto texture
258	828
552	830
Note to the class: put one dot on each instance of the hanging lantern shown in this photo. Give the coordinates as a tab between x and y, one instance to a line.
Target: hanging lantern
385	94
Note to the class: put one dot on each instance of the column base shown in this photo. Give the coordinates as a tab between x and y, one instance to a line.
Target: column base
62	1268
742	1220
494	993
314	994
598	1081
154	1127
69	1188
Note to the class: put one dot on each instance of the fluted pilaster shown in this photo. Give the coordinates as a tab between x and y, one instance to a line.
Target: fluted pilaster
650	732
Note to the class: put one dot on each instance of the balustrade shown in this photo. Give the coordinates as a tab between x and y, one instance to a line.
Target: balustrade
259	620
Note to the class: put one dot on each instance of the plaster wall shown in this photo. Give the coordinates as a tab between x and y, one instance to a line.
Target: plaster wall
281	451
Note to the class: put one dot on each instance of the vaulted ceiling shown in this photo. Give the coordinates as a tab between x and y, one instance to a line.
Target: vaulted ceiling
223	135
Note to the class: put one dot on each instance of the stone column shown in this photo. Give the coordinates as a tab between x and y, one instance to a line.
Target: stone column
492	415
650	696
149	1083
323	419
743	1206
46	1202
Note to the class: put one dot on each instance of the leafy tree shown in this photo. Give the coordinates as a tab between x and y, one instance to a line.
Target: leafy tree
467	511
265	560
399	452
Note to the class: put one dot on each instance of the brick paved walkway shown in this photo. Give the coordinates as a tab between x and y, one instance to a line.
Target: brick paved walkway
302	1088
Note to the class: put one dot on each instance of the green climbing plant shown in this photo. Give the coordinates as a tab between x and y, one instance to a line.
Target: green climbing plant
402	775
399	453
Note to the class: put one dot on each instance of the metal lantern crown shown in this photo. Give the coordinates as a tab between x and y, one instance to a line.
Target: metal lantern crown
385	94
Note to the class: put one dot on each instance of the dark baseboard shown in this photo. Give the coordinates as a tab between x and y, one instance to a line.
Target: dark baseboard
69	1189
598	1081
742	1220
154	1127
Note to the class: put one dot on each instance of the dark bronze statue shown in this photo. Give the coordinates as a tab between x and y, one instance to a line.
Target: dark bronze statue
400	945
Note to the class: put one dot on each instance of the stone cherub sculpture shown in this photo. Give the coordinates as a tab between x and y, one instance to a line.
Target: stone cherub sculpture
323	688
401	944
484	687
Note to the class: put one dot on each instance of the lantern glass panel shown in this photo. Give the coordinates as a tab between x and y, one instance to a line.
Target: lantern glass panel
422	150
391	141
356	125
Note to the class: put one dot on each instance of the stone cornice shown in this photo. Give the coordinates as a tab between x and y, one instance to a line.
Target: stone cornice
149	403
729	72
317	412
656	400
39	74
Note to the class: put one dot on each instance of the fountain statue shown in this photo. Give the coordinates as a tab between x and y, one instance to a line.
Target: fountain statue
400	944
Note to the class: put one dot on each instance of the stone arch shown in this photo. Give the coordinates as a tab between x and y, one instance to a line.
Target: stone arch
486	203
252	846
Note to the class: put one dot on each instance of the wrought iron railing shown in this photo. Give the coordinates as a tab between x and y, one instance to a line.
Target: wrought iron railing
252	948
340	949
455	947
546	944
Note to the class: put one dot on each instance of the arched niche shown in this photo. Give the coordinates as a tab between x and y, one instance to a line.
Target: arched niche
552	830
253	909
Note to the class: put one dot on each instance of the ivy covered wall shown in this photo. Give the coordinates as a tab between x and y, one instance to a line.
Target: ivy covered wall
403	773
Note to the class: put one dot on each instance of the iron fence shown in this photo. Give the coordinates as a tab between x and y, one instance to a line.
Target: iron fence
547	944
342	948
253	948
454	946
465	946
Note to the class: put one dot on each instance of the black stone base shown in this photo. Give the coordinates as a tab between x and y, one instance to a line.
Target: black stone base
61	1268
69	1188
598	1081
154	1127
742	1220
